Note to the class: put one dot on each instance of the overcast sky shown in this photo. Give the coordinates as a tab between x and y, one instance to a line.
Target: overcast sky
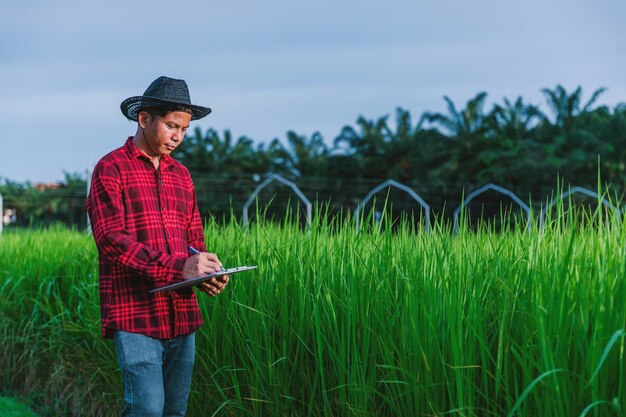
266	67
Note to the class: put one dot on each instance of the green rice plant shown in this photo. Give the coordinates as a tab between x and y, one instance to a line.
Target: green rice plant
49	320
380	320
9	407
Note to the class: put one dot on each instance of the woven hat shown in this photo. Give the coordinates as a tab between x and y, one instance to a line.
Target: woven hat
163	91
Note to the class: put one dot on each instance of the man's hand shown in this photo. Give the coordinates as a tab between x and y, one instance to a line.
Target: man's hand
214	286
205	264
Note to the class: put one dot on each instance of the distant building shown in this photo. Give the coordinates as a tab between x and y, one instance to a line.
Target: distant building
42	186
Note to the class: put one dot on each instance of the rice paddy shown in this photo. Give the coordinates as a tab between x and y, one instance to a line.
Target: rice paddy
344	322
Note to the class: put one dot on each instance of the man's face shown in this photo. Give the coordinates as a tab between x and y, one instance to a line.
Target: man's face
164	133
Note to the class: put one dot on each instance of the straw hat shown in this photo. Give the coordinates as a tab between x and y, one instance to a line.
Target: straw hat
163	91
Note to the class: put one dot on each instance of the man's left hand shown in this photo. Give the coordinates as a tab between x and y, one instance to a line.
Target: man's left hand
214	286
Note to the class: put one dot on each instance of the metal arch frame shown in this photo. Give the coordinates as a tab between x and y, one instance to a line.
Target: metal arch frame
575	190
393	183
284	181
481	190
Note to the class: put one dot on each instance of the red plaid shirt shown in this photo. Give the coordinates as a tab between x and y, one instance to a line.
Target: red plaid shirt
143	219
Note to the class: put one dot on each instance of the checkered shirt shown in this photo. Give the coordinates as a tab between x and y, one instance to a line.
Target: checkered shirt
143	220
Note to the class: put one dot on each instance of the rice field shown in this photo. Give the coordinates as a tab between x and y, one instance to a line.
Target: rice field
344	322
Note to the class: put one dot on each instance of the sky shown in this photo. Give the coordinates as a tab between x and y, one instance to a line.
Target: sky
266	67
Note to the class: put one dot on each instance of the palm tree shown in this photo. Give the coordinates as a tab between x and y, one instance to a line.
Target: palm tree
514	151
403	149
515	120
565	107
469	129
304	156
569	146
467	123
367	145
210	153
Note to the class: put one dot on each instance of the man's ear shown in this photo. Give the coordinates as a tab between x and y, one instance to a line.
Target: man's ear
144	118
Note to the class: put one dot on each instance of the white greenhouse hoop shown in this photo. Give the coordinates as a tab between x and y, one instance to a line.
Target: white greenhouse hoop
268	180
575	190
393	183
481	190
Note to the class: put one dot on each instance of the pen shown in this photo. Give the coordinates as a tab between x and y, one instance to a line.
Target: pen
195	251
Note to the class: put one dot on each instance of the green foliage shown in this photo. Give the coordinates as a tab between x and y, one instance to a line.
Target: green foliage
47	204
379	321
9	407
513	144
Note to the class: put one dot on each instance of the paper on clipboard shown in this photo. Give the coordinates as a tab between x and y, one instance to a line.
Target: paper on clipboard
200	280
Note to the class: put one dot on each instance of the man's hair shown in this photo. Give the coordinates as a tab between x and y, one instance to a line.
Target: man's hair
163	111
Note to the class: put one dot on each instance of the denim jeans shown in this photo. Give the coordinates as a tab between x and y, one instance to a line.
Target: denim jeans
156	374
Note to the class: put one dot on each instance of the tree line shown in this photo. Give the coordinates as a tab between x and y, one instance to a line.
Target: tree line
441	156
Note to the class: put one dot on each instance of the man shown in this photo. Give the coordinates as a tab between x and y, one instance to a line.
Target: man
143	212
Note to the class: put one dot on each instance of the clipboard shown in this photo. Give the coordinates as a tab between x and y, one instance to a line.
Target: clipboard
200	280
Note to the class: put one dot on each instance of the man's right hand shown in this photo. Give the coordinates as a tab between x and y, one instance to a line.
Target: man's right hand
200	265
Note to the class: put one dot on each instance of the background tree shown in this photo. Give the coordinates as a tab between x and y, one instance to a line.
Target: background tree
367	145
47	204
513	144
514	149
303	156
470	130
571	149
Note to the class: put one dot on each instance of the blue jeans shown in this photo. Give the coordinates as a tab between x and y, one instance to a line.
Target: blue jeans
156	373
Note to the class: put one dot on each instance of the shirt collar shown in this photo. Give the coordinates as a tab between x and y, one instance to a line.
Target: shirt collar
135	153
